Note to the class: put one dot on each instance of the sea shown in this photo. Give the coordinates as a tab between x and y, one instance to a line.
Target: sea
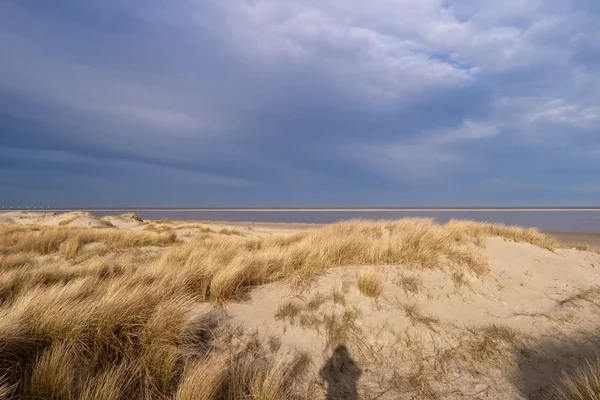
551	221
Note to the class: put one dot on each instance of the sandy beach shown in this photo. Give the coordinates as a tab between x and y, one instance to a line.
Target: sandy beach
389	310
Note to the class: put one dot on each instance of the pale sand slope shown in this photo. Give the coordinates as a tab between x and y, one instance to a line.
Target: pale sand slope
439	347
507	335
74	218
499	337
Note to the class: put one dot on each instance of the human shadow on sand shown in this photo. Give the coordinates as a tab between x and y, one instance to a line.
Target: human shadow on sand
341	374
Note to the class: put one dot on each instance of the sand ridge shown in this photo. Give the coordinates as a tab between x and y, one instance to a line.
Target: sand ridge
501	316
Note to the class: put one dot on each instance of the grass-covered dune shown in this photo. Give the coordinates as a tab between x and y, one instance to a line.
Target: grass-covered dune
142	313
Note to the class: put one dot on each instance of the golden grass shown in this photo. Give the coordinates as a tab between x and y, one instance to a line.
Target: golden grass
83	323
160	228
230	231
481	230
242	376
370	283
69	220
49	240
222	267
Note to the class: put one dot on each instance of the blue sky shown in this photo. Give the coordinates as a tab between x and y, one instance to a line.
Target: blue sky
299	103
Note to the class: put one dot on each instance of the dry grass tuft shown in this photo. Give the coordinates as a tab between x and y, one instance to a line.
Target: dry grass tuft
584	384
414	313
160	228
132	216
290	309
49	240
274	343
492	341
316	301
339	328
370	283
230	231
481	230
410	284
241	376
69	220
338	296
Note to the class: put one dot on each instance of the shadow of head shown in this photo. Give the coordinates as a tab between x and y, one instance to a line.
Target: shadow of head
341	374
560	371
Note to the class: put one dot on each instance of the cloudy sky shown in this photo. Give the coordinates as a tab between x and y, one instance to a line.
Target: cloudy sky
299	103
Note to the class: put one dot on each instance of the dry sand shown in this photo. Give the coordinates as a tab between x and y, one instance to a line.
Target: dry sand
529	291
506	335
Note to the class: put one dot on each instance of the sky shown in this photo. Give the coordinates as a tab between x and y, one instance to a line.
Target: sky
299	103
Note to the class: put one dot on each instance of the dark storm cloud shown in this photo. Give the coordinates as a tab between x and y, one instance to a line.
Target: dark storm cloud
305	103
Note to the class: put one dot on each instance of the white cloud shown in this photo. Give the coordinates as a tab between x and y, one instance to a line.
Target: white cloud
560	111
469	130
342	41
390	50
529	112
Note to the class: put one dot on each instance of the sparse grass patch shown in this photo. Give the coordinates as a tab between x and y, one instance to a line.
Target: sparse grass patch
338	328
417	382
590	295
410	284
414	313
316	301
289	309
370	283
459	278
274	343
338	296
492	341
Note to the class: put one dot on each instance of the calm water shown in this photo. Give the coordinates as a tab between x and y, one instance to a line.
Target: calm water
560	221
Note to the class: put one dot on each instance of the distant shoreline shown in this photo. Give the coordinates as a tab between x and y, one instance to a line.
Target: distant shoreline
335	209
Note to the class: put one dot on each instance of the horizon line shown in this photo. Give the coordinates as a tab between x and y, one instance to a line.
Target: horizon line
309	209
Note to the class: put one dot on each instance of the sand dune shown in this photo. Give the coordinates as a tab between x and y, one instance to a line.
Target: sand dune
122	308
